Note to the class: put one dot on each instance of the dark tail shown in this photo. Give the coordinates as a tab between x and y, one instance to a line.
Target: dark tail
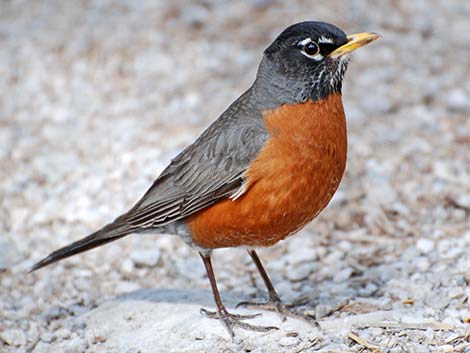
109	233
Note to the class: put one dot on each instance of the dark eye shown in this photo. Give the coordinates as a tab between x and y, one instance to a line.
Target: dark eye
311	49
327	48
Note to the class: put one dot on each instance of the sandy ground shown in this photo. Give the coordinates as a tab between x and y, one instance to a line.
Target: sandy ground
97	96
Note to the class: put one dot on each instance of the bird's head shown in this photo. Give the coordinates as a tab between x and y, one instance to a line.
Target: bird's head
309	59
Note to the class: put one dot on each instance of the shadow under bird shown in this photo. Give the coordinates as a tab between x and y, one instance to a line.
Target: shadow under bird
264	169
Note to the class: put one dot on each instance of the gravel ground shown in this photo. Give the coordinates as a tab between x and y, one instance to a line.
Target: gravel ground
97	96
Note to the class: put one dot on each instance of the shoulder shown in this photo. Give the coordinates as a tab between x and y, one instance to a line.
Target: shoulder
235	137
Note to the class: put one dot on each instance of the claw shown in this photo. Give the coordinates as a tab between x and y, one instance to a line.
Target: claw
264	306
215	315
283	310
243	304
234	320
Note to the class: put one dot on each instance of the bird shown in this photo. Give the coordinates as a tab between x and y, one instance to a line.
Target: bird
267	166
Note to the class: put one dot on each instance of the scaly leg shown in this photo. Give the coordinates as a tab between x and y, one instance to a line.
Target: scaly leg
229	320
274	302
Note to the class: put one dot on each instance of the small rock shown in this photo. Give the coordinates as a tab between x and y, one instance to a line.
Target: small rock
458	100
126	287
63	333
375	331
321	310
76	345
127	266
429	334
460	281
423	264
42	347
13	337
146	258
368	290
75	324
289	341
343	275
54	313
299	273
33	332
47	337
462	201
344	245
436	301
425	245
456	292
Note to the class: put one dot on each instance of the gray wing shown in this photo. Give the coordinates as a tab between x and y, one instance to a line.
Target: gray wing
210	169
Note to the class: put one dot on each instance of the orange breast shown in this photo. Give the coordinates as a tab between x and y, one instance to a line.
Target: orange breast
292	179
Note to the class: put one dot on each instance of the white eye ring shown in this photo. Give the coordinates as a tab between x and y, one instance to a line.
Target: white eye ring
310	49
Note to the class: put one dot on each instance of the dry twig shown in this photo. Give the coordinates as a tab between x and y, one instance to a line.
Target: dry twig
363	342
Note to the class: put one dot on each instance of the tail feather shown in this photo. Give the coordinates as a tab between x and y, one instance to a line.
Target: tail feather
109	233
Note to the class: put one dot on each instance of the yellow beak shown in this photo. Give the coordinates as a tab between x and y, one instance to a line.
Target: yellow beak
354	41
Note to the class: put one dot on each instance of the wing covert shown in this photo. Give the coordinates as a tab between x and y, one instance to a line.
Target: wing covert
210	169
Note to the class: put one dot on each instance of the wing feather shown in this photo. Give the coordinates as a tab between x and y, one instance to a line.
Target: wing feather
209	170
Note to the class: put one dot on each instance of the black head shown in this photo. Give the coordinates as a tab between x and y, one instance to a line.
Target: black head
327	37
305	61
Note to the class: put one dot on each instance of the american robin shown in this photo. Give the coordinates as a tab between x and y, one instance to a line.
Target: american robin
265	168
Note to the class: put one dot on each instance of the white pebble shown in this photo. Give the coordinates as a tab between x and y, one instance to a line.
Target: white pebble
126	287
13	337
298	273
425	245
458	100
63	333
47	337
76	345
146	258
456	292
343	275
289	341
127	266
42	347
423	264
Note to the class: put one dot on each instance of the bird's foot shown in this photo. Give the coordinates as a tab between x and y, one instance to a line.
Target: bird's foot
283	310
235	320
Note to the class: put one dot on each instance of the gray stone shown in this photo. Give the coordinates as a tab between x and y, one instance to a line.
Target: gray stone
425	245
146	258
76	345
13	337
458	100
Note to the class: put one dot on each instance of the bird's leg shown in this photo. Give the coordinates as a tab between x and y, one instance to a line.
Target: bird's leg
274	302
229	320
